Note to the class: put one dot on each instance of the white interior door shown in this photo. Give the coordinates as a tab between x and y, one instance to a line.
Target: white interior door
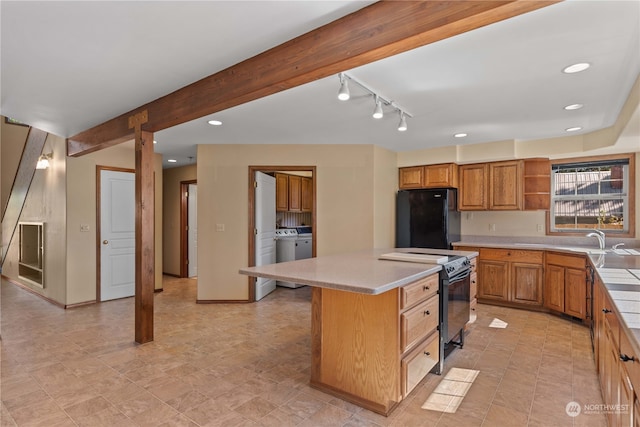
265	220
192	232
117	234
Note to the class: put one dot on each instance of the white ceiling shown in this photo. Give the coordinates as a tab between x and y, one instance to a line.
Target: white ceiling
68	66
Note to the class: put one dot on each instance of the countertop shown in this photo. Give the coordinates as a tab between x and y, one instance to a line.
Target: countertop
360	272
618	270
621	277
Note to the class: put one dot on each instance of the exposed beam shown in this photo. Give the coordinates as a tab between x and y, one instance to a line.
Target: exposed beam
375	32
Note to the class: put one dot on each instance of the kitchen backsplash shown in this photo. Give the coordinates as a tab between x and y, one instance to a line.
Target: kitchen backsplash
292	219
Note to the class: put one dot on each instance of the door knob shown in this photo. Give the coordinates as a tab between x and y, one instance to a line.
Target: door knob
105	242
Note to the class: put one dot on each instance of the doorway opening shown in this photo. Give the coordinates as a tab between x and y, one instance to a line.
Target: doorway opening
188	228
290	215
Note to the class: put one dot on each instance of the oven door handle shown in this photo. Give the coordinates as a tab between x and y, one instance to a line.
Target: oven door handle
460	276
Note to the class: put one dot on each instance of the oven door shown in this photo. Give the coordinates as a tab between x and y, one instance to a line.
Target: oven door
457	291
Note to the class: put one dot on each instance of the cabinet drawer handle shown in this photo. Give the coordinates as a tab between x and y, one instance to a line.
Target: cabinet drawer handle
626	358
427	312
427	353
425	288
606	310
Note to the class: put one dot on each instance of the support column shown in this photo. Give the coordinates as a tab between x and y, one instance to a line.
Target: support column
145	230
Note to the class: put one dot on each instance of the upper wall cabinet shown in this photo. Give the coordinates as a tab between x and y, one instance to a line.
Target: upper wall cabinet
294	193
510	185
505	186
443	175
473	187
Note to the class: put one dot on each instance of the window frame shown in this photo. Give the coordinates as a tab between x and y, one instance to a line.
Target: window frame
630	197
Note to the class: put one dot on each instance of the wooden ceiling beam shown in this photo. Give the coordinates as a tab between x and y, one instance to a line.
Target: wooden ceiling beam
383	29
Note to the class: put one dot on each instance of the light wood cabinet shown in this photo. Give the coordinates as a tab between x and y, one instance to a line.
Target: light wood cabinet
473	291
509	185
513	276
372	350
617	363
295	185
537	184
505	185
306	194
565	286
294	193
444	175
282	192
411	177
473	187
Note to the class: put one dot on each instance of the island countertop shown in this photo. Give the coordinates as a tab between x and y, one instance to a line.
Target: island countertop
360	272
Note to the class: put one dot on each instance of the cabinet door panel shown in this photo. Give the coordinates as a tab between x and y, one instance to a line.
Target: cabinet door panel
294	193
473	187
411	177
504	186
575	293
526	282
554	287
493	280
306	194
282	192
440	176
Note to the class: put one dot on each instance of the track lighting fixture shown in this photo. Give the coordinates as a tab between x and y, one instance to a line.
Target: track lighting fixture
378	113
343	93
402	126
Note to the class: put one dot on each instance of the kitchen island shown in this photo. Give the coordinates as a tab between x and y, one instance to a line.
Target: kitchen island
374	327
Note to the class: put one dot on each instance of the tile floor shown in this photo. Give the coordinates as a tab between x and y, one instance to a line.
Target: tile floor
248	364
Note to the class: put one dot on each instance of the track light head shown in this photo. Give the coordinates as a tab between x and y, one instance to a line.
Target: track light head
402	126
343	93
377	112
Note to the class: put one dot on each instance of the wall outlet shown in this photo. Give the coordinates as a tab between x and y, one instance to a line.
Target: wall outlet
84	227
492	227
219	227
539	228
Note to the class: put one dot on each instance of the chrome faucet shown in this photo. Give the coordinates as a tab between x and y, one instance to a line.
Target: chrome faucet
600	236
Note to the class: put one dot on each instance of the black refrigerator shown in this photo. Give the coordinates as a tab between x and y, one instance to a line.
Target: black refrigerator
427	218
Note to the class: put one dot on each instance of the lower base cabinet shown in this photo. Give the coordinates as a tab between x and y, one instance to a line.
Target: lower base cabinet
618	365
510	276
372	350
565	284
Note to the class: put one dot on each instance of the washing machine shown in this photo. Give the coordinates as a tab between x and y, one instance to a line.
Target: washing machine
291	246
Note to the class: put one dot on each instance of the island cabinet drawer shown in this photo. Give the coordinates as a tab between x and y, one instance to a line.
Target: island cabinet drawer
629	359
512	255
417	364
418	291
418	322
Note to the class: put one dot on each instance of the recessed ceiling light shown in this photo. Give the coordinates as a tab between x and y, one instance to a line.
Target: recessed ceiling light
155	142
172	160
576	68
215	122
573	107
460	135
573	129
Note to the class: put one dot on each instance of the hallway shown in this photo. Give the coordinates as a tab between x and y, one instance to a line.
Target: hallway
248	364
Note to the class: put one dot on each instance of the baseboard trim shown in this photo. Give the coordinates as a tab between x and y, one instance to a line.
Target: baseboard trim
80	304
223	301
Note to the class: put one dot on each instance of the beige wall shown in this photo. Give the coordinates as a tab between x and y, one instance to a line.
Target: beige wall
81	203
46	202
171	211
385	186
345	187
